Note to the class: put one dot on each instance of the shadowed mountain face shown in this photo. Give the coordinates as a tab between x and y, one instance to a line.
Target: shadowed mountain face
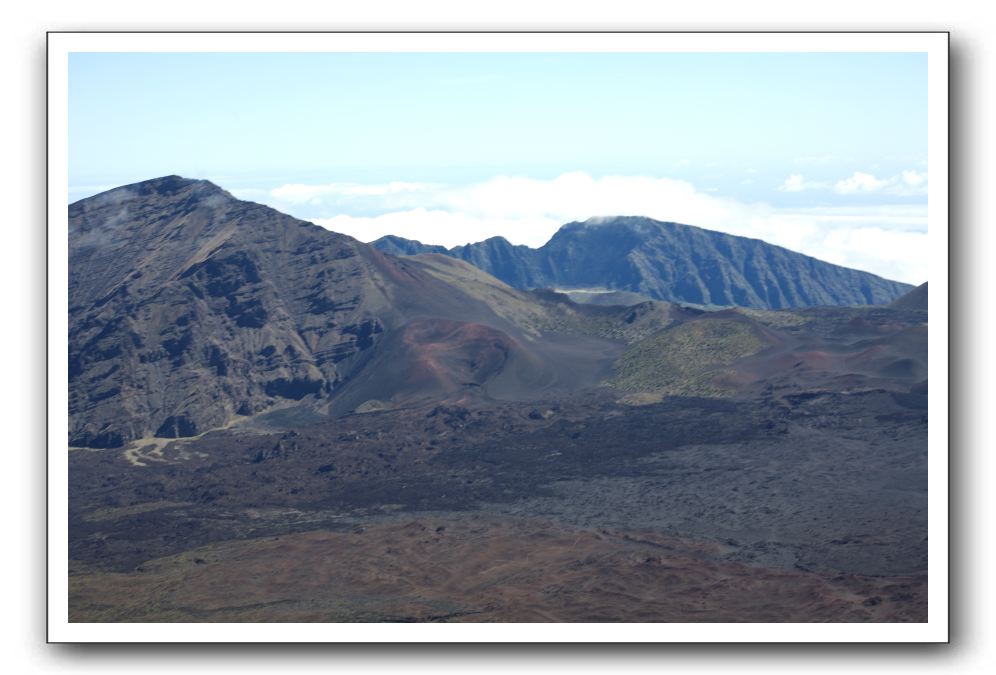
189	308
914	300
668	261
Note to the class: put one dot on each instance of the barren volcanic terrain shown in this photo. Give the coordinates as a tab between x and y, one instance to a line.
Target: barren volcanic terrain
273	422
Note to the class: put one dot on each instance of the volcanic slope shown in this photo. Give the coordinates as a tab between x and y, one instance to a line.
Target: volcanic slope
190	309
914	300
668	261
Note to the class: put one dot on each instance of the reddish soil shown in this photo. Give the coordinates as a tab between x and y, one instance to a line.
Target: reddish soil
486	570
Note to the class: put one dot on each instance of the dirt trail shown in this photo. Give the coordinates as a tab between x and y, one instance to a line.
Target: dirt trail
153	449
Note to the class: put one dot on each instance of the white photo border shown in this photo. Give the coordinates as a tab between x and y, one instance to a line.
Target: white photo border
61	44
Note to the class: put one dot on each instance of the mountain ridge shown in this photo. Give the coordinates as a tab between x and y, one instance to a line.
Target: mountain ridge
190	309
668	261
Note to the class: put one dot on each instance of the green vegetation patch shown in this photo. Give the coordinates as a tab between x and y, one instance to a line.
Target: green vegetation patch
684	359
574	320
773	318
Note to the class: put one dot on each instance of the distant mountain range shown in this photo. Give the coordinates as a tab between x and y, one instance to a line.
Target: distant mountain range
667	261
190	310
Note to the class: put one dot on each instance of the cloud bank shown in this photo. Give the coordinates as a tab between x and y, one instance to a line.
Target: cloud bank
888	240
908	183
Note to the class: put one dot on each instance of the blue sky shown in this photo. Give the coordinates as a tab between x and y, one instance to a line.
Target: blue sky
824	153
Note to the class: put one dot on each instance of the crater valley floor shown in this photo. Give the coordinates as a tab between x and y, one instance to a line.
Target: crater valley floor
805	508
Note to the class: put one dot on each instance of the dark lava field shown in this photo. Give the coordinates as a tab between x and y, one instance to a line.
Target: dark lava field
828	489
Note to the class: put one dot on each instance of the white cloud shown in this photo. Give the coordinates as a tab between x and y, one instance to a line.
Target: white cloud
907	183
578	196
794	183
896	255
887	240
914	179
797	183
297	193
529	211
435	226
883	240
859	183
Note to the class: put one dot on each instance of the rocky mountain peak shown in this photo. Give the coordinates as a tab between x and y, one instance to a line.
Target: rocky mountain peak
162	188
172	185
